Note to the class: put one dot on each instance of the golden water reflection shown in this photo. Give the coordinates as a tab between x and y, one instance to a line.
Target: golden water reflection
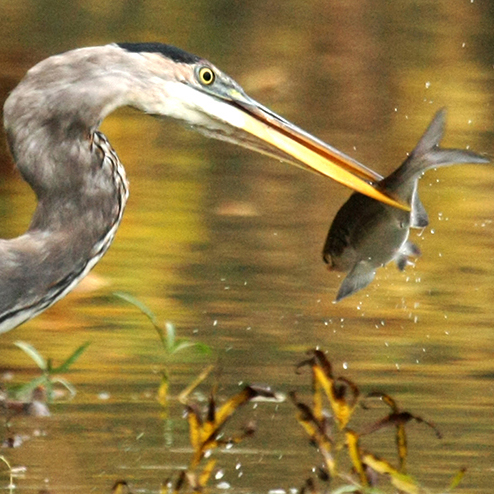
226	244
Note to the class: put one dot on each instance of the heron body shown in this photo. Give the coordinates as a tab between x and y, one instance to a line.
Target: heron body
51	120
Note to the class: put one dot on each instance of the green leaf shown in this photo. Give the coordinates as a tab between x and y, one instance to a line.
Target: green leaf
167	334
33	353
24	392
147	312
137	303
203	348
66	384
170	337
182	344
64	367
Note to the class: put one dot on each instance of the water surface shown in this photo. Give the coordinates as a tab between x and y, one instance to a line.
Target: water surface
227	244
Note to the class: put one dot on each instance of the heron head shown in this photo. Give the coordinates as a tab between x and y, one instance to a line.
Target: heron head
194	91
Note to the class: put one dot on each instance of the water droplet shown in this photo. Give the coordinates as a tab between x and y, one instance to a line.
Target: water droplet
219	474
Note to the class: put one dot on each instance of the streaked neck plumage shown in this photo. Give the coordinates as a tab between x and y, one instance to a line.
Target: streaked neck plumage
78	179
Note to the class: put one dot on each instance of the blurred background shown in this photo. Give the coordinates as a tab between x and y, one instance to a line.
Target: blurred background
226	244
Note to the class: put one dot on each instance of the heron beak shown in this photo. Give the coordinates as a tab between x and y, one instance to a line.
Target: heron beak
290	143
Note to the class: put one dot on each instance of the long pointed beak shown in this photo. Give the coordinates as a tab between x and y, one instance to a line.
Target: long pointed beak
277	137
311	153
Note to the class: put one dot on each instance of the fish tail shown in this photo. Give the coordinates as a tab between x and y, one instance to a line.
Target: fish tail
427	153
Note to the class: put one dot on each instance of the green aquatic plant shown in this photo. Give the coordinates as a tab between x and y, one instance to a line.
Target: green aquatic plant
50	375
169	341
166	332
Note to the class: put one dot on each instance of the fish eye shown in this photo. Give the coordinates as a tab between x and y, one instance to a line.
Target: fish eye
206	76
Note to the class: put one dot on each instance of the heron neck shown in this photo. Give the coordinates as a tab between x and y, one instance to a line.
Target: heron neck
68	234
51	120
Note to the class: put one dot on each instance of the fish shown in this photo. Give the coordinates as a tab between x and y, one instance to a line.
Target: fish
366	234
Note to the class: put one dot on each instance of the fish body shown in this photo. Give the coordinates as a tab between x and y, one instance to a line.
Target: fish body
366	235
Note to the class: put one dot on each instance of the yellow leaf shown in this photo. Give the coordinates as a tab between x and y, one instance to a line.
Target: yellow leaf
314	429
341	410
400	480
317	398
401	444
210	427
354	452
183	396
120	487
206	473
228	408
195	427
457	479
162	396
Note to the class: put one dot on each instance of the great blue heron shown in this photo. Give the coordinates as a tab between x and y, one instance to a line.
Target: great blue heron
51	119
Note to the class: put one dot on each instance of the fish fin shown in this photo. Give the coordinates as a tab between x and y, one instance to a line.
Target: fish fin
445	157
407	250
428	148
410	249
432	135
427	154
359	277
419	217
401	261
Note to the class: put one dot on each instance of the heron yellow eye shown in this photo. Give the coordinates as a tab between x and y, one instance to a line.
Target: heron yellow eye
206	76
